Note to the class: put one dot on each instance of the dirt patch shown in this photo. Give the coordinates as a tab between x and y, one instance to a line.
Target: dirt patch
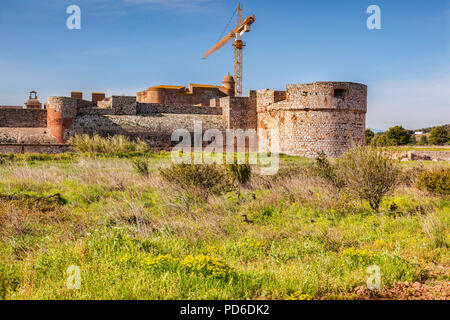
406	291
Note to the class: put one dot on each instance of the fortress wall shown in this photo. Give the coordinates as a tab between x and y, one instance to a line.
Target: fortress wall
325	116
95	111
235	112
123	105
23	118
149	108
156	129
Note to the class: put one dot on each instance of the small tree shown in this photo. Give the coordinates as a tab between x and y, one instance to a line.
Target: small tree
439	136
369	136
398	136
369	173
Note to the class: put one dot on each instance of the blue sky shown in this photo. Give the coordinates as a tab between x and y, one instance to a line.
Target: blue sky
125	46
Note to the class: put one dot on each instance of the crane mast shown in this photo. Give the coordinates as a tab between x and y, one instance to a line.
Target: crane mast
236	34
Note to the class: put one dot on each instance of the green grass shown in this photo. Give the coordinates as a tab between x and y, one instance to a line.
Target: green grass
415	148
133	239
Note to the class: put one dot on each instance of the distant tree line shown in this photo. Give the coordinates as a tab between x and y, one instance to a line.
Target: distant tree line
397	136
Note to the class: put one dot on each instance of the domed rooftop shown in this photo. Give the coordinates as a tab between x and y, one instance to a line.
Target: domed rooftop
33	102
228	78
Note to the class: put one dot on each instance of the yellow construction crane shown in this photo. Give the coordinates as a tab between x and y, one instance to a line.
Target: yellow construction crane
236	34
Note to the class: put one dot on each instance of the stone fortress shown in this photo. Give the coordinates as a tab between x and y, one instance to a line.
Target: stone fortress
303	120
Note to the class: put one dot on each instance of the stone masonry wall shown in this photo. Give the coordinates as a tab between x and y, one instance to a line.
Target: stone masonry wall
148	108
23	118
123	105
237	113
322	116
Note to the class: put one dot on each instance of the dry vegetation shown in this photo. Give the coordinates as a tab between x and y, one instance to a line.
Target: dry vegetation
294	235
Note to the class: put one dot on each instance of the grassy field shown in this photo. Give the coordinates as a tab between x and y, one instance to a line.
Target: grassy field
133	237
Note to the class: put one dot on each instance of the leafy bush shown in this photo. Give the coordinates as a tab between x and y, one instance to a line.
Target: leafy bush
106	145
241	173
369	173
327	171
439	136
435	181
205	266
198	181
141	166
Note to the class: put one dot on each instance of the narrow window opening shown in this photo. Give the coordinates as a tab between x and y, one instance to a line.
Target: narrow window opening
339	93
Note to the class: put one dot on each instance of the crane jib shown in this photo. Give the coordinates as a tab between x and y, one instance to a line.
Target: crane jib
238	32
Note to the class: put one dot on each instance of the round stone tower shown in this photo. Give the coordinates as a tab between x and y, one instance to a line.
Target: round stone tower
61	113
320	116
229	84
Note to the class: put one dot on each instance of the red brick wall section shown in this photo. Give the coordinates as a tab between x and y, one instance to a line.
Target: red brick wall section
61	113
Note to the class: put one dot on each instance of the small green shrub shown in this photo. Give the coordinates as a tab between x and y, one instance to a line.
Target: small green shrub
141	166
241	173
327	171
435	181
369	173
198	181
